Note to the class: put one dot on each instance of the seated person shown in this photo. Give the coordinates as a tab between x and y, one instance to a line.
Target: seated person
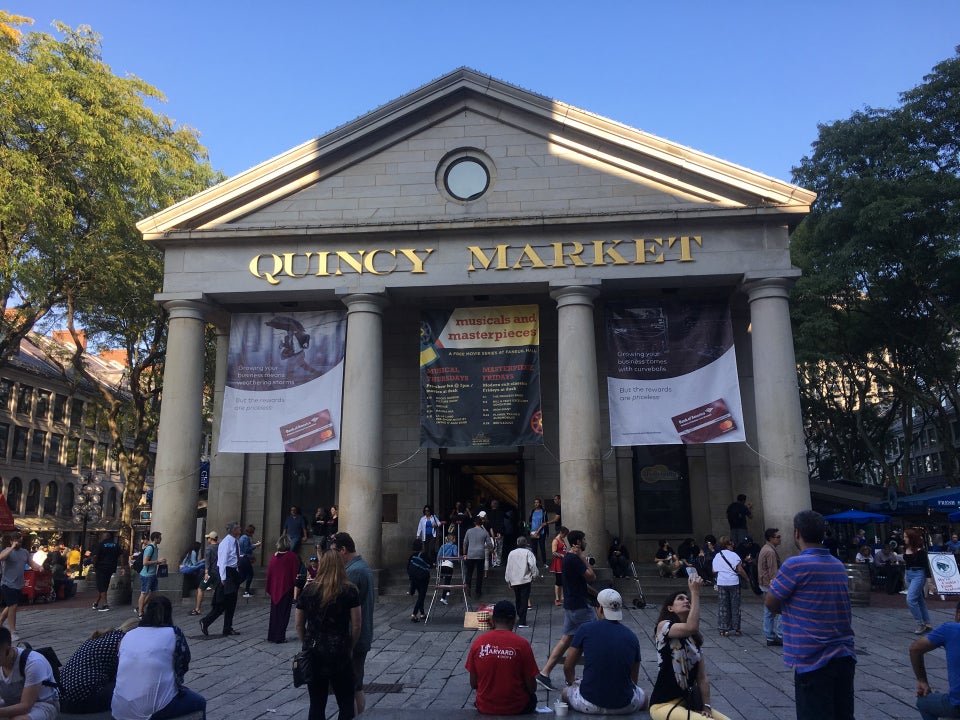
953	545
28	692
502	668
611	663
619	558
887	567
864	555
667	561
89	676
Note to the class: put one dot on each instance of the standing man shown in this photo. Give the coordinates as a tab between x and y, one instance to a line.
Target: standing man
105	558
520	573
557	523
811	592
295	528
13	560
359	573
576	574
737	514
939	705
475	544
502	667
768	563
611	664
225	596
148	575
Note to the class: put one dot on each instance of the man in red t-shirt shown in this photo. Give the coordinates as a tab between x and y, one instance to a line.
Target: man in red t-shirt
502	668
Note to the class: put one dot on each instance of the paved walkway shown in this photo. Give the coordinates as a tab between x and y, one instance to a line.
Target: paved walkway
416	670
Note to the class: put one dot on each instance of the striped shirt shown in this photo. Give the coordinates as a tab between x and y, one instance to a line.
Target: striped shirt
812	588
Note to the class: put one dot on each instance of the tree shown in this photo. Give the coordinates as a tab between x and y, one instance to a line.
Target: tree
82	159
878	306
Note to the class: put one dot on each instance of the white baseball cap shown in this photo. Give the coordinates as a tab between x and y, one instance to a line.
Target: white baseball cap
612	604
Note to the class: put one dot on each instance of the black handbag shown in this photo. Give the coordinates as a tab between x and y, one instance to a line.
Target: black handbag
302	668
692	701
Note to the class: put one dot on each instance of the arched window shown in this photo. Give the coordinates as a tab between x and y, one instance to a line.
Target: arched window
66	504
111	503
33	498
50	494
15	495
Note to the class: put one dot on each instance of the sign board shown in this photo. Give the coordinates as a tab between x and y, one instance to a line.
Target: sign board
943	567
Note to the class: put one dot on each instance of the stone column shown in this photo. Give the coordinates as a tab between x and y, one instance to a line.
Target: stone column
181	430
581	486
225	495
784	480
361	429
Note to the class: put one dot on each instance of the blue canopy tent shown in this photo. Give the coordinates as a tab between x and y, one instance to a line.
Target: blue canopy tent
857	516
954	516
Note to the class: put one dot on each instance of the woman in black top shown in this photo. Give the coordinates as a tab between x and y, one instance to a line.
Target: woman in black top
916	573
682	665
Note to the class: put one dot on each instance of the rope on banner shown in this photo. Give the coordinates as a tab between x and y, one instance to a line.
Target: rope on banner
774	462
405	460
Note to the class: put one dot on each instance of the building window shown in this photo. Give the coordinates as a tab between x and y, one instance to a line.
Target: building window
56	445
73	451
37	446
4	434
15	495
86	454
932	436
66	504
50	499
101	458
111	503
43	404
19	443
59	408
24	399
465	175
33	498
6	391
76	413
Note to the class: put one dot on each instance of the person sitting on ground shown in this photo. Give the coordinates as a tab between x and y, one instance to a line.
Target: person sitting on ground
611	664
30	692
667	562
502	667
88	678
619	558
939	705
152	661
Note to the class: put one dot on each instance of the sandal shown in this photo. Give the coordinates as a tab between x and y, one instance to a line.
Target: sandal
194	612
724	633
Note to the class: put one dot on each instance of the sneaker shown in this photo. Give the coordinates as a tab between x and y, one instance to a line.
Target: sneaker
544	682
522	626
776	642
247	595
443	601
94	607
922	628
103	608
903	592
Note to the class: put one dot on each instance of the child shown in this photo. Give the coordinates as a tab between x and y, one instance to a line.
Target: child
447	551
418	569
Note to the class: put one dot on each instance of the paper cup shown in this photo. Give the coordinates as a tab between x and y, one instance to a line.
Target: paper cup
560	708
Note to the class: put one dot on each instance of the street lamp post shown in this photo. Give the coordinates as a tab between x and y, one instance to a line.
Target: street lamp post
88	506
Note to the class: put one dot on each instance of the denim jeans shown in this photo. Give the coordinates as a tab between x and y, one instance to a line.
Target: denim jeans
771	621
916	585
937	705
826	693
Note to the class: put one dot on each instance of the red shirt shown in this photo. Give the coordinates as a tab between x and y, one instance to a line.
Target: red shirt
502	662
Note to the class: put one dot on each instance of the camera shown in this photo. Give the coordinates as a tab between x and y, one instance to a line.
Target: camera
591	560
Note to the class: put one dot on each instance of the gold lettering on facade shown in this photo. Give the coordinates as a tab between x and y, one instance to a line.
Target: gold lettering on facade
321	262
530	255
685	254
270	277
370	265
416	260
648	246
573	255
344	256
600	253
288	265
481	257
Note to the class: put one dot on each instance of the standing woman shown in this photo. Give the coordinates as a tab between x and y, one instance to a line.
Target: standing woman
282	571
538	527
333	524
319	530
729	570
427	531
682	667
211	575
559	548
328	625
916	572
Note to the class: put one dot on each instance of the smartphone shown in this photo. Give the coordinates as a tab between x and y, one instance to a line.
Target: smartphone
692	572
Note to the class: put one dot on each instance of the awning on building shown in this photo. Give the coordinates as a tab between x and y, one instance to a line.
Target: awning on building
941	500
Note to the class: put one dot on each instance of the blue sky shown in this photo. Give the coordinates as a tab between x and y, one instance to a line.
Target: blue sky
742	80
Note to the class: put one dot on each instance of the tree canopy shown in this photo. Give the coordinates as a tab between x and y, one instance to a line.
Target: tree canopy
877	311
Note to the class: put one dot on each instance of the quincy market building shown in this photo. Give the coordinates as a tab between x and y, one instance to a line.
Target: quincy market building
475	292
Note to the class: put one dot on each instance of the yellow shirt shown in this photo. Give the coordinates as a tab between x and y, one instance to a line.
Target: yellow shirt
73	558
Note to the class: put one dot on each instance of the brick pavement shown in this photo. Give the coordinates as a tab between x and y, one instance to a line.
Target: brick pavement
418	669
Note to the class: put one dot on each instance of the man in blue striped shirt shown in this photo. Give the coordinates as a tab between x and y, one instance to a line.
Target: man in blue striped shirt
810	591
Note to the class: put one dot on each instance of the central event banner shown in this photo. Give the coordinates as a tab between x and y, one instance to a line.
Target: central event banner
480	377
284	382
672	373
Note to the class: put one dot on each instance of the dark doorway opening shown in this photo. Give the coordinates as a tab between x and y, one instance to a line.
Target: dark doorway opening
309	482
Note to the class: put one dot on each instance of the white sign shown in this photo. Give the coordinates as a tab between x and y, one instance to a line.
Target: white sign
943	567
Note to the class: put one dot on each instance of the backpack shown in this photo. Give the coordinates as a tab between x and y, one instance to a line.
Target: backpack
51	657
418	568
137	564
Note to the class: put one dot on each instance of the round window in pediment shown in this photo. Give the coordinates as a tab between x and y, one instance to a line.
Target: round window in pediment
466	178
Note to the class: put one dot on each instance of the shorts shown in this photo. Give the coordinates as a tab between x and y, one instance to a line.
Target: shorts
359	658
148	584
103	576
573	619
577	702
49	710
11	596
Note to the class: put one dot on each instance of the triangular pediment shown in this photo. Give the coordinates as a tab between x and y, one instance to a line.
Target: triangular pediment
546	160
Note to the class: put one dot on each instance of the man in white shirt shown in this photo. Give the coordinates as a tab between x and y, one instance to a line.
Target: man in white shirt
225	596
29	693
520	572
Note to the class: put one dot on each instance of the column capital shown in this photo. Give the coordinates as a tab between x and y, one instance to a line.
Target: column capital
188	309
758	285
582	293
363	302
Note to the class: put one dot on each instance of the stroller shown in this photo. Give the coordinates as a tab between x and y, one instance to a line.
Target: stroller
639	602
